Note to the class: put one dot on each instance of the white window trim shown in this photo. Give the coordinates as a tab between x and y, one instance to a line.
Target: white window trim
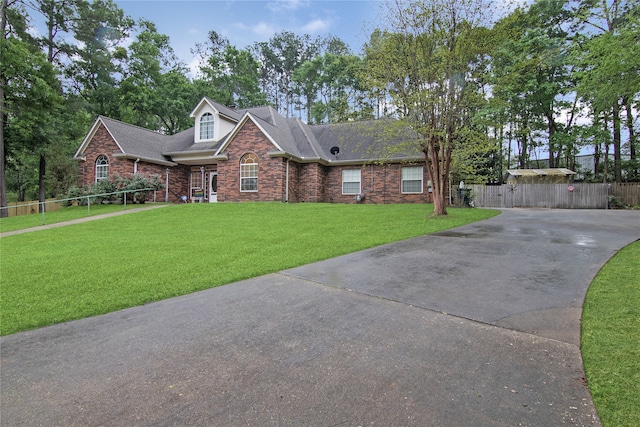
242	173
359	181
102	169
209	123
402	180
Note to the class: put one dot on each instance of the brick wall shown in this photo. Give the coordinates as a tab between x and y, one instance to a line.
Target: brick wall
381	184
271	171
178	180
103	145
312	182
308	182
294	182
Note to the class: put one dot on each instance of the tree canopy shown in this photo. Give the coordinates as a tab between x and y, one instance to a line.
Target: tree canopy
548	80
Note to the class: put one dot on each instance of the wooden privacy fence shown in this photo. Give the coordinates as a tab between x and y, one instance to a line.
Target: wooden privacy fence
27	208
559	196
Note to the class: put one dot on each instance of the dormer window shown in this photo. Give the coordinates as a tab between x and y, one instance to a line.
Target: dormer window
206	126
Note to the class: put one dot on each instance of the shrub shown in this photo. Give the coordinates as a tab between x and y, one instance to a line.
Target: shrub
105	191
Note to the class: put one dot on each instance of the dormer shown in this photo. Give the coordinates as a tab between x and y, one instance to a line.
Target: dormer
213	121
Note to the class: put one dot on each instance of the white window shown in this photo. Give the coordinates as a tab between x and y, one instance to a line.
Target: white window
351	181
412	179
102	168
249	172
197	185
206	126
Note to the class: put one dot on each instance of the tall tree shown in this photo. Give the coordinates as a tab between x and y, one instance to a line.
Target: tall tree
425	61
4	7
145	92
532	78
607	35
100	30
29	95
59	17
228	74
330	87
279	58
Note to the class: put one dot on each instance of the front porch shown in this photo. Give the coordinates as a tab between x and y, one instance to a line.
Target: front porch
203	184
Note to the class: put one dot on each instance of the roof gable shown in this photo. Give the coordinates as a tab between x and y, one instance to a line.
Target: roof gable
358	142
248	116
100	120
217	107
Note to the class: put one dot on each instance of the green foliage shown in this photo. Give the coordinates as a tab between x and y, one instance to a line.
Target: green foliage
330	87
101	28
611	339
525	83
103	190
280	57
134	259
428	63
228	74
531	76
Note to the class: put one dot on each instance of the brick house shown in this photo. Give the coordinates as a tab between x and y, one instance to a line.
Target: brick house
255	154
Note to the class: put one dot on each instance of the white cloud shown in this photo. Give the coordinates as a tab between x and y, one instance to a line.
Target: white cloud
317	26
263	29
33	31
240	26
280	5
194	66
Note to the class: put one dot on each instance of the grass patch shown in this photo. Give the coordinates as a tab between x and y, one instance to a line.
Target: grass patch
92	268
611	339
66	214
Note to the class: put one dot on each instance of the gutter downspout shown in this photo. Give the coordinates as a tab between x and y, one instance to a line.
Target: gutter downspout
286	189
135	166
166	186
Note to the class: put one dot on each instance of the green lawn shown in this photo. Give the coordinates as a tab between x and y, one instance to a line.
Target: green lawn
82	270
611	339
66	214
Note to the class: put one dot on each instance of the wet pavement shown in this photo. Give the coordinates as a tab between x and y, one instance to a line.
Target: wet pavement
479	325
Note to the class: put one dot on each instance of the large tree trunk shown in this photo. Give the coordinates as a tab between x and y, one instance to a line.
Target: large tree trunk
3	185
632	134
42	194
632	138
553	150
439	177
617	159
596	161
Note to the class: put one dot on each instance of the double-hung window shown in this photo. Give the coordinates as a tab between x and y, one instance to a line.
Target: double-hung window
412	180
351	181
249	173
206	126
102	168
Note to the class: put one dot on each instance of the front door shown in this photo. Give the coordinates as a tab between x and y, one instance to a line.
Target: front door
213	187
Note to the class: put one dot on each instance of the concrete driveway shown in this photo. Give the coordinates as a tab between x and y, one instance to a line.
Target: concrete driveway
476	326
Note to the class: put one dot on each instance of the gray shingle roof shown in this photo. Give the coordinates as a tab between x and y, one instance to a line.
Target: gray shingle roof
137	141
365	140
357	141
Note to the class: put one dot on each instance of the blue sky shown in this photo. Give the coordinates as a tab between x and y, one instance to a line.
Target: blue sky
244	22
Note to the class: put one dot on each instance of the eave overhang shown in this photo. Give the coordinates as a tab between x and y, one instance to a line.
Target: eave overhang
352	162
144	159
197	157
